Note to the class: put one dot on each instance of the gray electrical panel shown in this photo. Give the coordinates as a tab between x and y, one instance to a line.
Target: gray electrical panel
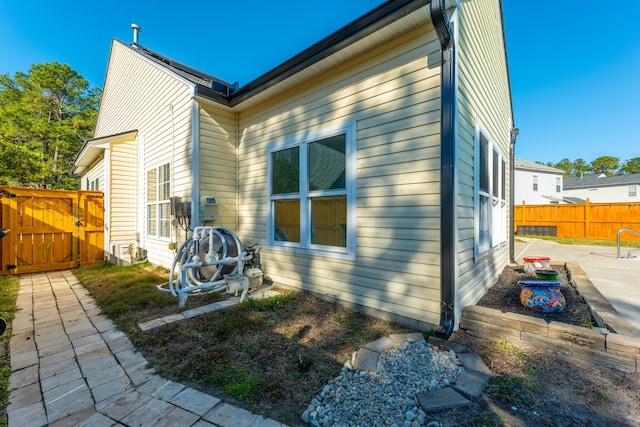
180	206
208	208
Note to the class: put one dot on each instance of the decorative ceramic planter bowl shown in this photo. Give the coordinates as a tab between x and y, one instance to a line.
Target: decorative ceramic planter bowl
532	263
542	296
546	275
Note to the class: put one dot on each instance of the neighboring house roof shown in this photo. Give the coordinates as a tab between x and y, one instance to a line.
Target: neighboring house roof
574	200
520	164
591	181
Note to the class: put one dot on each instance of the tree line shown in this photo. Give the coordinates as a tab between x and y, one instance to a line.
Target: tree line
608	165
46	114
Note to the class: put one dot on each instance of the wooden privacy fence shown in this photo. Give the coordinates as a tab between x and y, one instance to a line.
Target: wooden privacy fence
588	220
50	229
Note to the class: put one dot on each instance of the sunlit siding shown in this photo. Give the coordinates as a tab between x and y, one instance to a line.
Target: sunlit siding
123	185
140	95
218	161
392	94
484	96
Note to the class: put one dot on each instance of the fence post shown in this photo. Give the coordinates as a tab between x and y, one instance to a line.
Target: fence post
587	231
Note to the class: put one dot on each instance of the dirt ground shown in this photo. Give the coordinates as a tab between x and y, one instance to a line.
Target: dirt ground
272	357
535	387
505	296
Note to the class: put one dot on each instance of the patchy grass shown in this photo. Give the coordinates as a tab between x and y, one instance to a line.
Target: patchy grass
588	242
270	356
8	292
129	294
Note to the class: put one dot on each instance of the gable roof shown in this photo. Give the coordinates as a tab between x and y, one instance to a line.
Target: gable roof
196	77
526	165
388	14
591	181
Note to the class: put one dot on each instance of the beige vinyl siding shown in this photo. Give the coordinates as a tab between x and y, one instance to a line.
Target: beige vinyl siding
143	96
122	189
483	96
217	161
392	94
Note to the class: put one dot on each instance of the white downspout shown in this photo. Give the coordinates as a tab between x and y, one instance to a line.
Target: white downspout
107	201
195	162
237	212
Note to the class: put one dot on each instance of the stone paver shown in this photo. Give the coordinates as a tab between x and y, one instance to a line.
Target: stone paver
440	400
28	416
71	366
381	344
225	414
366	360
472	361
194	401
471	384
149	413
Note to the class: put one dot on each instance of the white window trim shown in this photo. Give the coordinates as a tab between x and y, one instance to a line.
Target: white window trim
635	191
156	236
305	246
498	236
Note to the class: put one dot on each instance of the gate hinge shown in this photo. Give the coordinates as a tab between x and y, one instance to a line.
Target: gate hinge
11	266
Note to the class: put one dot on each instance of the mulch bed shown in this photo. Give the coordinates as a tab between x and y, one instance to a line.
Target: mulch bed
505	296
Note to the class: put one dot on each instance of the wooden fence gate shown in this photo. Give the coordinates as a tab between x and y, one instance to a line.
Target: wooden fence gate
50	229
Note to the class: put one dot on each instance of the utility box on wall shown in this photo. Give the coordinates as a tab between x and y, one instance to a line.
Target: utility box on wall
180	206
208	208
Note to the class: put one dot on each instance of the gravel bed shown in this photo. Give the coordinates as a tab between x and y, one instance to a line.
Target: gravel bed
386	397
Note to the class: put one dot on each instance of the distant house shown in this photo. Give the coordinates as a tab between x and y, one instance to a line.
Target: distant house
371	168
537	184
604	189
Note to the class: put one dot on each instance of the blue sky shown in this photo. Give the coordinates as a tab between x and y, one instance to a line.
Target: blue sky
575	67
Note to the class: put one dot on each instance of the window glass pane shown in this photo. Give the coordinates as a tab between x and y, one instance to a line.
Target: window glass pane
165	220
285	169
165	182
632	191
484	164
152	189
329	221
152	220
496	171
287	220
503	180
484	224
327	163
535	183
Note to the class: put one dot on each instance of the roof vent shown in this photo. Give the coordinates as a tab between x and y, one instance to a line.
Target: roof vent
136	30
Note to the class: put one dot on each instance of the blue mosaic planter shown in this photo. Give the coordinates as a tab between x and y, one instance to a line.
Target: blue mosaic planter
542	296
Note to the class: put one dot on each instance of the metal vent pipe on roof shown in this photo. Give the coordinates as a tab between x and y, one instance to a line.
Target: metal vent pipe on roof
136	30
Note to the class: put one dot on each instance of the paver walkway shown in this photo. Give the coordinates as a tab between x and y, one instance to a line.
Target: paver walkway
72	367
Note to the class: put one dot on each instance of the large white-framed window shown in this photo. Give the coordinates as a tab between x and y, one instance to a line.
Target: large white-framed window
311	185
158	206
633	191
490	193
